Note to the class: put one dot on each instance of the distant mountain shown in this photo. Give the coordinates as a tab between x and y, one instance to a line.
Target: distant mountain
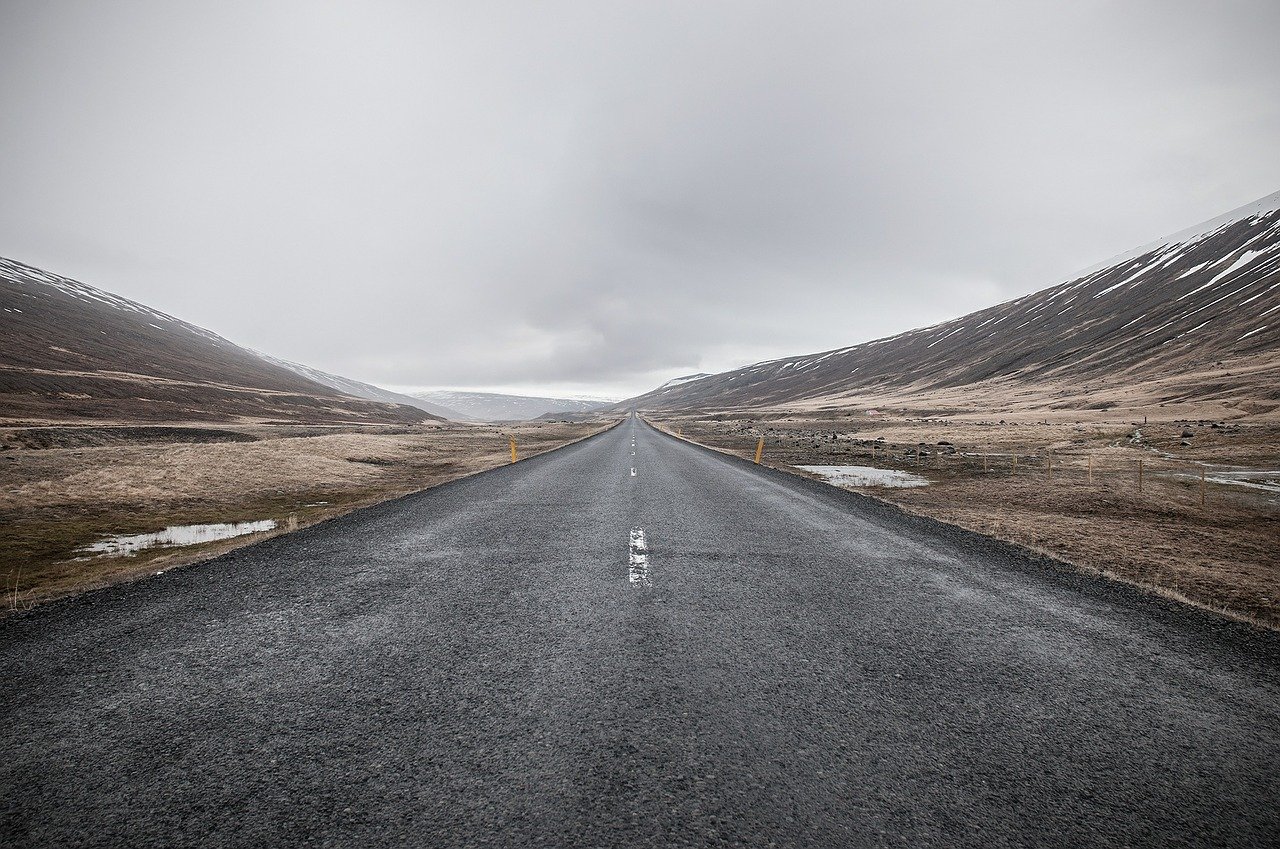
495	407
72	351
1192	317
356	389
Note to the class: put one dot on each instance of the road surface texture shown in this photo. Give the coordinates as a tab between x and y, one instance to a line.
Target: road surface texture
703	652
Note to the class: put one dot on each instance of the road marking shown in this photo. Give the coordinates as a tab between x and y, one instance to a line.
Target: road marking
638	571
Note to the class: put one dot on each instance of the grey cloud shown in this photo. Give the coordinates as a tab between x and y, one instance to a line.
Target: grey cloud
604	195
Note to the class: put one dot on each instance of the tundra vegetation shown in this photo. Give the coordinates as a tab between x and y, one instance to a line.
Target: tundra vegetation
64	487
1202	524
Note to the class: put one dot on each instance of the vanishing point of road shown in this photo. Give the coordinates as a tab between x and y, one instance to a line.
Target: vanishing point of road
633	641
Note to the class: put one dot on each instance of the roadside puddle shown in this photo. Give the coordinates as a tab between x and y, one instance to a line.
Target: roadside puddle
174	537
865	476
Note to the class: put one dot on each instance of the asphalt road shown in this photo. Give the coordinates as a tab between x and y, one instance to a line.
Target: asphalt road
792	665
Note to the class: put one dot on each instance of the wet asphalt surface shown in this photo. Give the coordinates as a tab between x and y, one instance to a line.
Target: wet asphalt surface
470	666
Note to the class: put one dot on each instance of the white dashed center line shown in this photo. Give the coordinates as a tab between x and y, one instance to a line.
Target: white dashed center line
638	572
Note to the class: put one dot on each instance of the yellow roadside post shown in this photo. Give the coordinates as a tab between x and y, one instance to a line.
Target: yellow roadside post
759	449
513	448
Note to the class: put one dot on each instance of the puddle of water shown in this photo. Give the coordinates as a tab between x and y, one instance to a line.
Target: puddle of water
865	476
1267	480
177	535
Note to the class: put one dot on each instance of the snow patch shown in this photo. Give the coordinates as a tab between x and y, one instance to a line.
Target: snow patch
866	476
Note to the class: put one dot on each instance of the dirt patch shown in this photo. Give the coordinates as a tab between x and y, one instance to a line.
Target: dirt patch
1154	503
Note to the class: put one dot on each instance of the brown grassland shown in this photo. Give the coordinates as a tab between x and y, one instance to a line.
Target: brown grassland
1074	493
63	487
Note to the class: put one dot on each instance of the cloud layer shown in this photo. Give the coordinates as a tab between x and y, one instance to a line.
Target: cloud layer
599	196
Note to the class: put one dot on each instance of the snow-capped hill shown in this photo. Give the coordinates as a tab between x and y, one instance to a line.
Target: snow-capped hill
74	351
1183	304
35	278
680	381
1260	208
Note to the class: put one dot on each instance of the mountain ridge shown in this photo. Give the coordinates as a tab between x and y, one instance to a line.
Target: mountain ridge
74	351
497	406
1180	306
360	389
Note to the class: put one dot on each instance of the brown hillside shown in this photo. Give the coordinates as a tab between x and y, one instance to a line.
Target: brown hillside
1194	318
72	351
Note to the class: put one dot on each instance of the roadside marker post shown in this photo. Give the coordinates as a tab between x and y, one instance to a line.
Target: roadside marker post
513	448
759	449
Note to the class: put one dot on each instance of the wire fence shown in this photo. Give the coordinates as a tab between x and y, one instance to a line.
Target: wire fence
1146	475
1114	470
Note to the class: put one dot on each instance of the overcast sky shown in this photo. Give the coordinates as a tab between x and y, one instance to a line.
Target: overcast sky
594	197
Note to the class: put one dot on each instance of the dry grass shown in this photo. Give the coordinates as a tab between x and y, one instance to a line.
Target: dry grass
1224	555
54	501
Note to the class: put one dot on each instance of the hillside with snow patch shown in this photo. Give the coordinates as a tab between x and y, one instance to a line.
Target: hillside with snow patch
1195	315
73	351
